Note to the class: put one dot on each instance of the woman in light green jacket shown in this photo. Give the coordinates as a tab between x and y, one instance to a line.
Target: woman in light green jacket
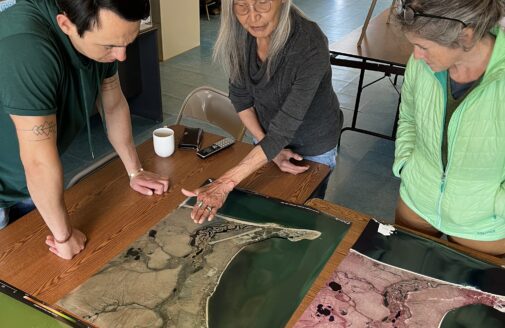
450	147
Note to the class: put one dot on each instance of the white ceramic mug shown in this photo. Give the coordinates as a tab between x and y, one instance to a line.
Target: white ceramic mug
163	140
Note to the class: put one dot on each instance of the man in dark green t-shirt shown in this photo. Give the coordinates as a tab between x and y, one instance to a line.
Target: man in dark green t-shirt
58	61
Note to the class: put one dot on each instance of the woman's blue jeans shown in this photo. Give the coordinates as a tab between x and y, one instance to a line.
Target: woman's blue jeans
11	214
329	159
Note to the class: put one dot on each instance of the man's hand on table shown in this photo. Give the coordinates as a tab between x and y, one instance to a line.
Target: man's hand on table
282	160
209	199
148	183
69	248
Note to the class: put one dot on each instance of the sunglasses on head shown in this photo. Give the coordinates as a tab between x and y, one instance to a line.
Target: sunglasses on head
409	14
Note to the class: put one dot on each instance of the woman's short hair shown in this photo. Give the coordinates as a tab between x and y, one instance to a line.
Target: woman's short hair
229	50
481	16
84	13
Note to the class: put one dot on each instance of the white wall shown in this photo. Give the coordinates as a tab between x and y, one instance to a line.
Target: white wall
179	22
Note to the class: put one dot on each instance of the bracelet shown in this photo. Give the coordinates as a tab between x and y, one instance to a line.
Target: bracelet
134	174
66	239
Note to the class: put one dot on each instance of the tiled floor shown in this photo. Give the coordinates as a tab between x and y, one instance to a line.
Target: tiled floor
362	179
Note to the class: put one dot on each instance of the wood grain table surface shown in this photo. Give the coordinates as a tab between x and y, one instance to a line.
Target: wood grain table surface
383	42
358	224
112	215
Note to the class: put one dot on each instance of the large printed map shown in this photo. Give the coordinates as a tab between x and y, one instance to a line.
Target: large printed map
366	293
226	273
395	279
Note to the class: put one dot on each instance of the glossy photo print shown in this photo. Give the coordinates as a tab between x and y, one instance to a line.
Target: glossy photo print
397	279
235	271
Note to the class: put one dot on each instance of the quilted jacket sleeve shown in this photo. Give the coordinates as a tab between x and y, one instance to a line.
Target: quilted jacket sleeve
406	134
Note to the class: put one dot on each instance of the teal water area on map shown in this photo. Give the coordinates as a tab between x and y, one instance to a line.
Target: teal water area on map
424	256
266	281
474	315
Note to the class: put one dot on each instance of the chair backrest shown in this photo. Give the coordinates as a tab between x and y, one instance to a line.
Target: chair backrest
213	106
91	168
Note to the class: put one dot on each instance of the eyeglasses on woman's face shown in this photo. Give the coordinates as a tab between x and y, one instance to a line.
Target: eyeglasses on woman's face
409	14
243	8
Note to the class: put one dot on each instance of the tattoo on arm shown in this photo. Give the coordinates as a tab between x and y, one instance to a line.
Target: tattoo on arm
47	129
111	83
42	131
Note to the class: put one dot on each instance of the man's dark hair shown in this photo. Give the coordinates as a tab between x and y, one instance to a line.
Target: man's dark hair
84	13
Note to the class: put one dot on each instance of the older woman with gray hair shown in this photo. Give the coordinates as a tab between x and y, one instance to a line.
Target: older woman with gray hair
450	146
280	84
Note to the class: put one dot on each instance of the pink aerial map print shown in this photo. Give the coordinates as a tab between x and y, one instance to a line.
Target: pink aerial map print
366	293
386	280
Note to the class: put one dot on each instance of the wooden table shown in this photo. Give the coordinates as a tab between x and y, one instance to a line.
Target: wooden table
384	49
112	215
359	222
383	42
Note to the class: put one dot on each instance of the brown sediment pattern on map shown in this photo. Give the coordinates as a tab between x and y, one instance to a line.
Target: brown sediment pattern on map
165	277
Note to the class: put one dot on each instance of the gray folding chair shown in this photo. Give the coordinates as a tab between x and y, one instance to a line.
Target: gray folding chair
213	106
91	168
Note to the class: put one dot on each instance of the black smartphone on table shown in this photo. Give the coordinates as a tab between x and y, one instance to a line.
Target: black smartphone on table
191	138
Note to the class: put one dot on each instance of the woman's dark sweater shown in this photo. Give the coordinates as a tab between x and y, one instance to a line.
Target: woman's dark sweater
297	107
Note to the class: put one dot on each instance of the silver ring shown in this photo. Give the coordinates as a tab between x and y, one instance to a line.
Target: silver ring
200	203
209	208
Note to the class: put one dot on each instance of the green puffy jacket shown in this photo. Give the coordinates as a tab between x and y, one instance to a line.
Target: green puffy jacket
468	199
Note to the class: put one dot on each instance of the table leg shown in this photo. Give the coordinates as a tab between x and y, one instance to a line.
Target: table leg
391	11
367	20
356	104
395	124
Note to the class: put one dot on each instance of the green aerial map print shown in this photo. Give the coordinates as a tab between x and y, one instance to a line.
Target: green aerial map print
249	267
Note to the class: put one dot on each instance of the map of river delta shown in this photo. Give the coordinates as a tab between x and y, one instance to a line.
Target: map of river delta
366	293
174	276
395	279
